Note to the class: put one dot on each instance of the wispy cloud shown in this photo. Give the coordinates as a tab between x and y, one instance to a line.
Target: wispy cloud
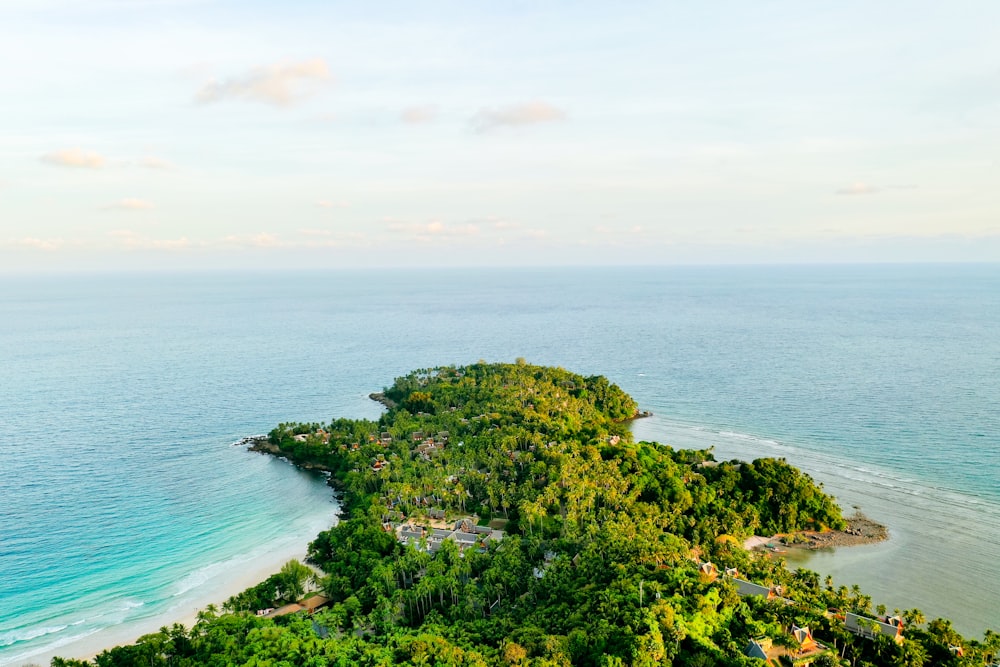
529	113
433	229
259	240
36	243
506	224
151	162
418	115
858	189
74	157
279	85
131	204
132	240
325	238
326	203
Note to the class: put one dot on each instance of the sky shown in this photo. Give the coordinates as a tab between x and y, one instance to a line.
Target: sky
202	134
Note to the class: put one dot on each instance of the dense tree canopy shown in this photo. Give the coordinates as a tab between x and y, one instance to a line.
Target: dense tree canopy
601	557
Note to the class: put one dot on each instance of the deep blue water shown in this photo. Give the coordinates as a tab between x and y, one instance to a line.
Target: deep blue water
123	503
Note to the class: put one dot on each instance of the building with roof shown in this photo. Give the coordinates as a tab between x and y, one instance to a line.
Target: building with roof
748	588
708	572
864	626
802	652
464	533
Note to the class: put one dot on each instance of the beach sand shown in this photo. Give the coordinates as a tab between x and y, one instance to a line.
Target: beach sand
216	590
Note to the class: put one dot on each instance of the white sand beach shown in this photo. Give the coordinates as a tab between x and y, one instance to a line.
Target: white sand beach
218	587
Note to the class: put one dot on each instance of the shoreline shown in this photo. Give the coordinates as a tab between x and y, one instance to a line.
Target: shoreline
261	445
236	574
860	530
935	533
217	590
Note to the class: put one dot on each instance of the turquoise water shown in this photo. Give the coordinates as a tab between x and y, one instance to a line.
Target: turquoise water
124	505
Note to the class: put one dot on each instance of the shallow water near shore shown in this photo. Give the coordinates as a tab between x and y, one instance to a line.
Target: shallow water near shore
121	395
940	555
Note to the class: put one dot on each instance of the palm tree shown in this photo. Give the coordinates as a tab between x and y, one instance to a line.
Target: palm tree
294	576
208	613
914	617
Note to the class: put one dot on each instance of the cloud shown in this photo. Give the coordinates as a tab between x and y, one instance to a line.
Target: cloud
131	204
418	115
506	224
433	229
326	203
858	189
279	85
265	240
37	243
529	113
74	157
155	163
325	238
260	240
132	240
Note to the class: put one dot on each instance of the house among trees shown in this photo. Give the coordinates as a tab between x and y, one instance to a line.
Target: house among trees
547	561
464	533
745	588
708	572
314	602
409	534
807	649
309	605
804	637
322	435
799	650
758	648
426	449
864	626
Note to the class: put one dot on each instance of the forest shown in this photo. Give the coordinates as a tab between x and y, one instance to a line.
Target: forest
501	514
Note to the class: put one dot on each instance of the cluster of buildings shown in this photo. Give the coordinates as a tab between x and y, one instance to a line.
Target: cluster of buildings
802	649
465	533
321	434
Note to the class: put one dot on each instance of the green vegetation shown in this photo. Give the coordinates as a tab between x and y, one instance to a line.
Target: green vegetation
600	562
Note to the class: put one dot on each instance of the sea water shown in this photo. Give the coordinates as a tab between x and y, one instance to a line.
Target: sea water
125	507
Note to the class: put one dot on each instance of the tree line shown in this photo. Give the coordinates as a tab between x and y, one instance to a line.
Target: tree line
599	563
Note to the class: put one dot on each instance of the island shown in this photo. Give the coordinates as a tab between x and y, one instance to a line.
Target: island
502	514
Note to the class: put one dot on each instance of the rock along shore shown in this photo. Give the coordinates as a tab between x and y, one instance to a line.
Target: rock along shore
860	530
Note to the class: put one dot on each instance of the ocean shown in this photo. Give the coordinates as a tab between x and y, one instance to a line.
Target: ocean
125	506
